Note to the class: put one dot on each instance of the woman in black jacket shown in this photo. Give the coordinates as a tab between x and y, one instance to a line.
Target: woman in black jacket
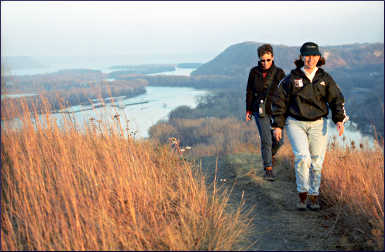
263	81
301	104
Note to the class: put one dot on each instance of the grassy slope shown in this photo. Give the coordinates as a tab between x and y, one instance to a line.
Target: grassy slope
63	189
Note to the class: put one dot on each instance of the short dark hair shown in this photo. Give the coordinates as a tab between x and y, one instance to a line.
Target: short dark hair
299	62
265	48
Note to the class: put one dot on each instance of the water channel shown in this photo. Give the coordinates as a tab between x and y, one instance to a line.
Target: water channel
141	112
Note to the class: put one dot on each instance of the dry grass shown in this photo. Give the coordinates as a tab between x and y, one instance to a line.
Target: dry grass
354	183
353	190
63	189
209	136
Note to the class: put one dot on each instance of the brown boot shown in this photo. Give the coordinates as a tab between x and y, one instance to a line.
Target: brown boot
314	204
269	174
302	201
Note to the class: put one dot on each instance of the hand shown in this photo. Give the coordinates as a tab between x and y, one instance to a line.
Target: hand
277	133
249	115
340	128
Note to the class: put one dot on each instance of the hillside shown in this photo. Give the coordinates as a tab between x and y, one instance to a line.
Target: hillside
357	68
239	58
93	189
20	62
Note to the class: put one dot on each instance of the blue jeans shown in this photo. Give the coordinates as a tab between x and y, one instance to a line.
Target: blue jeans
269	146
309	142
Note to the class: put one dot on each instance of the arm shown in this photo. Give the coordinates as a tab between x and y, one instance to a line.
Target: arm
249	95
280	103
277	132
281	75
249	115
340	128
336	101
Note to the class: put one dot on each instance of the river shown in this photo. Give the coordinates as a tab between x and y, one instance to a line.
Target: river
141	112
138	113
103	69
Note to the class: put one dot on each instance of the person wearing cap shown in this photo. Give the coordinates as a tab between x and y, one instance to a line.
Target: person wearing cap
301	104
262	82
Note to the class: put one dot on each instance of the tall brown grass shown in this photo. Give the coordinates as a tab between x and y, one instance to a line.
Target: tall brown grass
66	189
352	187
352	191
209	136
354	184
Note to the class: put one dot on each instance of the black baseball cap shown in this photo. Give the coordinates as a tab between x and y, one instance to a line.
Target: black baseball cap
309	48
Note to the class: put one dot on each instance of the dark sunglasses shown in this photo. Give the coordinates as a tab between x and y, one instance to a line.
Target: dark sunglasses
266	60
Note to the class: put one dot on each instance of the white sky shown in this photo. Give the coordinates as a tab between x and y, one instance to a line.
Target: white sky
146	27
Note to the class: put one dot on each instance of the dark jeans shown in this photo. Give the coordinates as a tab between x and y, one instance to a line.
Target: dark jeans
269	145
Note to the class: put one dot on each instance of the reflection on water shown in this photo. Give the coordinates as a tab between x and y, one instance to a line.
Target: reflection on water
351	134
16	95
140	112
177	71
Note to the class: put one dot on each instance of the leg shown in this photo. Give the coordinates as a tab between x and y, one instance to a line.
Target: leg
297	133
318	139
264	126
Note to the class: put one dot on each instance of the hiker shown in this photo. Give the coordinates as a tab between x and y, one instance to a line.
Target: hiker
263	81
301	104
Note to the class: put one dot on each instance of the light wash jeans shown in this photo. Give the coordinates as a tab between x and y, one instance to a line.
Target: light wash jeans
308	140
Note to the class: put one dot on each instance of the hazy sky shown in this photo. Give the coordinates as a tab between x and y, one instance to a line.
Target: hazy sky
191	27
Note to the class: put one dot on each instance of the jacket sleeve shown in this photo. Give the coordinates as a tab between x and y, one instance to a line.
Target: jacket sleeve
280	103
250	91
281	75
336	100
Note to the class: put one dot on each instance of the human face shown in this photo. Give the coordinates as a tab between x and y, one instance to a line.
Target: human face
266	60
310	62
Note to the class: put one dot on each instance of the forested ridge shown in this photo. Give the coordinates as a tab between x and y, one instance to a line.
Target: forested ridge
358	69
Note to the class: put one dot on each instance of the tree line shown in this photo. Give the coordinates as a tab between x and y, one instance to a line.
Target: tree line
60	99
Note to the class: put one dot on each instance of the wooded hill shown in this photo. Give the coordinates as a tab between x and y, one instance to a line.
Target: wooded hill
357	68
239	58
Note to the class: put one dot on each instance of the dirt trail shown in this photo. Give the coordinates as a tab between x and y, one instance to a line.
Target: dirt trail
277	224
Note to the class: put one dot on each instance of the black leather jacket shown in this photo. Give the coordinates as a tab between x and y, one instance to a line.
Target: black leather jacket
303	100
257	87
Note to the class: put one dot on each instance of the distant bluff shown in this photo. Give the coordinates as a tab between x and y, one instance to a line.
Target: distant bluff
237	59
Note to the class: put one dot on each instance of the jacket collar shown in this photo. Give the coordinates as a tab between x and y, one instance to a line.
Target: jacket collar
299	73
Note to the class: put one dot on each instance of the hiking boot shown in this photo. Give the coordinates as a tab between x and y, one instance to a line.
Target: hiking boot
301	205
314	203
269	174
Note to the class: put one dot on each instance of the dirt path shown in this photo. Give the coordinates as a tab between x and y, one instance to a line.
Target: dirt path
277	224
